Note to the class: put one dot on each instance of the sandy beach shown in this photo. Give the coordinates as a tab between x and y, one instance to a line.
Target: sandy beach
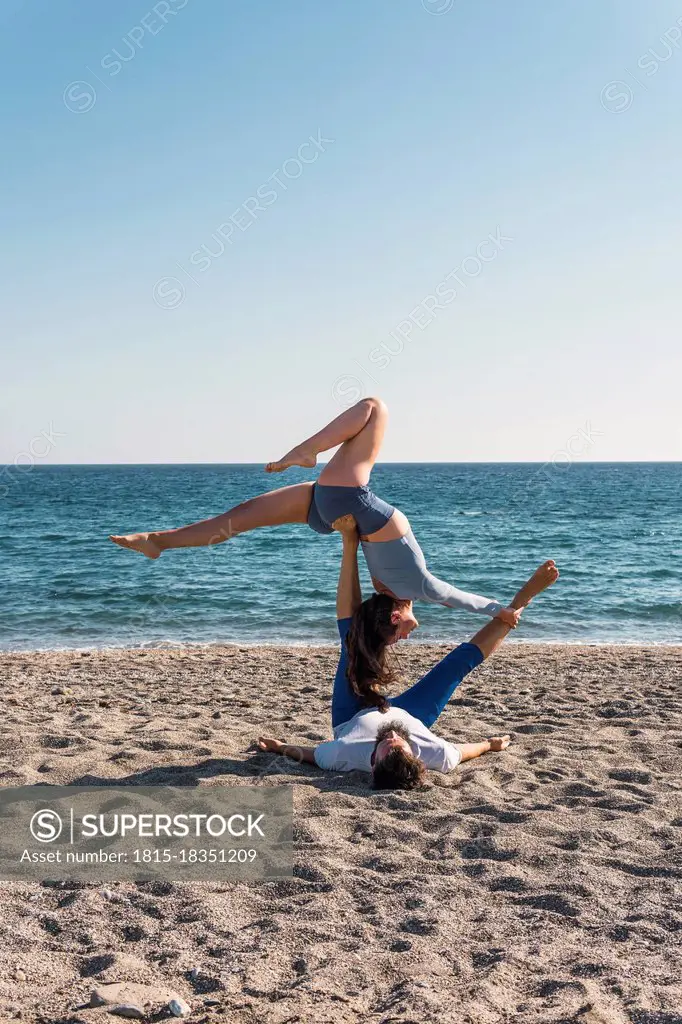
539	885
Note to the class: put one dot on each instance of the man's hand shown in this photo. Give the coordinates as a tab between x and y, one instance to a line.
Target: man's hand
346	526
510	616
468	751
304	755
274	746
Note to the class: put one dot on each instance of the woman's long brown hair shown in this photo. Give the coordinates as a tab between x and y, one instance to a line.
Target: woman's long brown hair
368	637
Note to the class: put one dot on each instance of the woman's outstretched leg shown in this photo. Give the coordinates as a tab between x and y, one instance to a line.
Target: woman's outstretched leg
359	430
285	505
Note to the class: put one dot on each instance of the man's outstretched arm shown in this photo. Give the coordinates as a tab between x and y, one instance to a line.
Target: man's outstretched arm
468	751
348	592
301	754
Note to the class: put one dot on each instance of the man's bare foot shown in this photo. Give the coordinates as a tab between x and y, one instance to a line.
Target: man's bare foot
499	742
296	457
141	542
542	578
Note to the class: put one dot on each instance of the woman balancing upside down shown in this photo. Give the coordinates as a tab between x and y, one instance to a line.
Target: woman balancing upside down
393	740
394	558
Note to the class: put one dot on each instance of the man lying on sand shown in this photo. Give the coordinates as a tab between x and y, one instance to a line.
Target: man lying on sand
393	741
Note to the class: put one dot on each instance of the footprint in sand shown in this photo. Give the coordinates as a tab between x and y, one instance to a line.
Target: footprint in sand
551	903
508	883
486	849
72	743
589	970
475	869
629	775
94	965
654	1017
505	817
549	775
487	957
419	926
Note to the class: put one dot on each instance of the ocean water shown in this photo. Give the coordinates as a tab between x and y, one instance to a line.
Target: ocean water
615	531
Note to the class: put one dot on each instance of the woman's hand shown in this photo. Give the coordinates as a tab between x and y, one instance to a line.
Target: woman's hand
510	617
347	527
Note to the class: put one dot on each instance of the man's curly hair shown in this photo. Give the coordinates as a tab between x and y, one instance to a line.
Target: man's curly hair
398	770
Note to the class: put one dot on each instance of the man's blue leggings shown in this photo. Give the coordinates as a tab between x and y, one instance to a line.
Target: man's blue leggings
425	700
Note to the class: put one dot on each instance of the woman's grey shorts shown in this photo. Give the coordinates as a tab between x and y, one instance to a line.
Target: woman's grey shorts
369	511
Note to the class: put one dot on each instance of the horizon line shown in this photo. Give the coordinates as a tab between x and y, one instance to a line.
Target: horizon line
420	462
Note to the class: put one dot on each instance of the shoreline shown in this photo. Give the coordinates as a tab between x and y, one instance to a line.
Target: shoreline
303	645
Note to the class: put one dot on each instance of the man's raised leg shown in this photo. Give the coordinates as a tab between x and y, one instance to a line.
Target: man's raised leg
430	695
493	633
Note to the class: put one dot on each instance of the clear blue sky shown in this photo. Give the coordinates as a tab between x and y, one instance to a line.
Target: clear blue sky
448	126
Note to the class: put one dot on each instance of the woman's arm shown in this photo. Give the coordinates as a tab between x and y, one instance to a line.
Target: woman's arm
348	592
403	573
438	592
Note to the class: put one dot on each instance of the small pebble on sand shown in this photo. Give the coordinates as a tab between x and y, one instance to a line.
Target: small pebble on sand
128	1010
179	1008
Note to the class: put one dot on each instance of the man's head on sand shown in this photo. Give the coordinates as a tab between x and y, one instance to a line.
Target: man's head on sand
394	766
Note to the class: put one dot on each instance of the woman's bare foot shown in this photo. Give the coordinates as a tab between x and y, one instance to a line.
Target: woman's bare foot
542	578
141	542
296	457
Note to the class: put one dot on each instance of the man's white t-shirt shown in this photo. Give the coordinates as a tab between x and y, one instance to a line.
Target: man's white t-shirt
353	743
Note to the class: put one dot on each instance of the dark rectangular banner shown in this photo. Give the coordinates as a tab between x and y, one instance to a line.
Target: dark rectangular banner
107	833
